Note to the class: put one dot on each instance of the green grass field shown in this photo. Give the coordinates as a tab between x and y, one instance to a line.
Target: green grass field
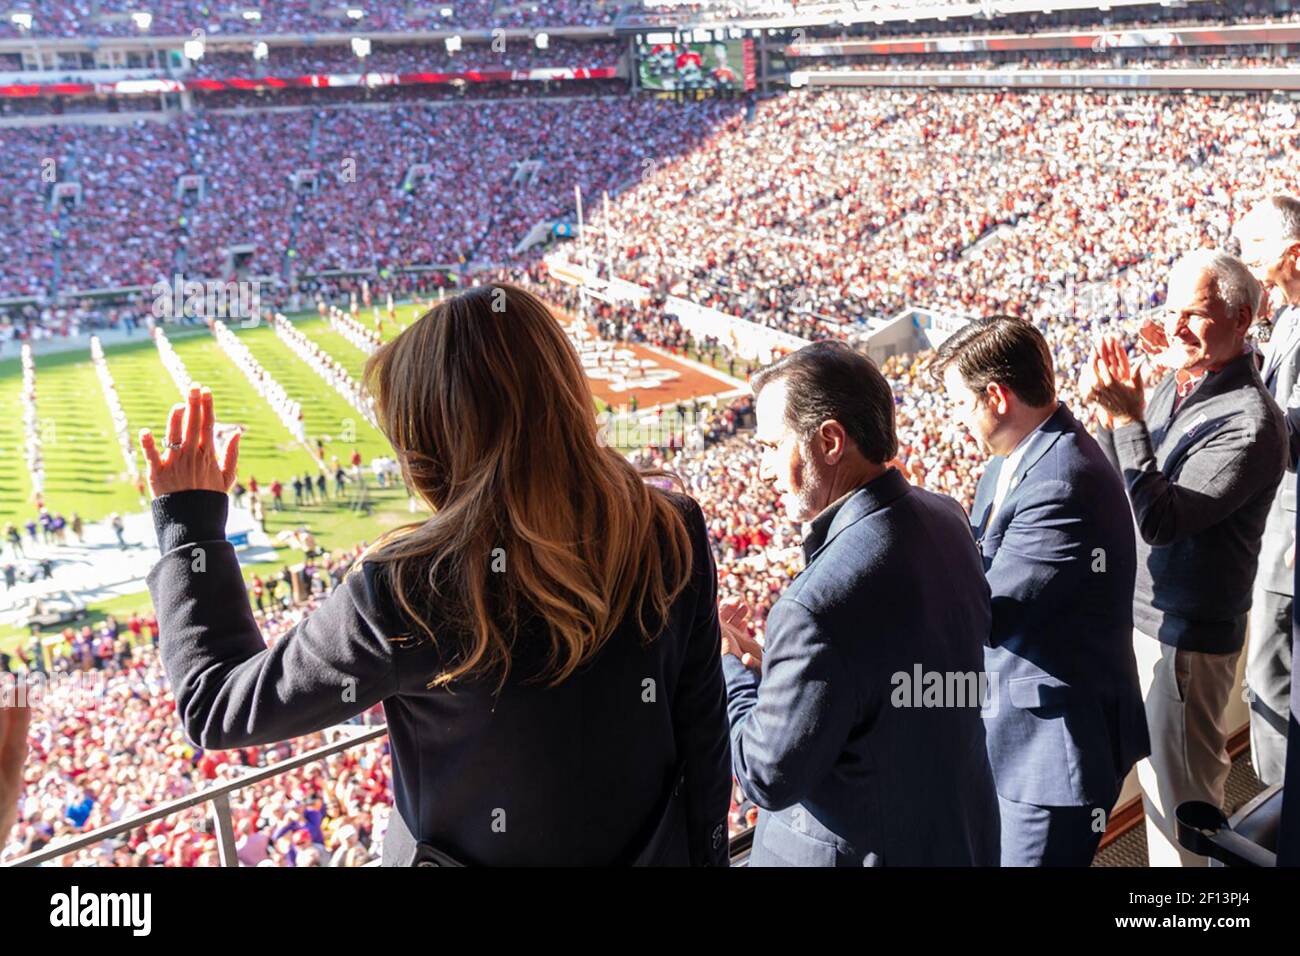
85	472
84	469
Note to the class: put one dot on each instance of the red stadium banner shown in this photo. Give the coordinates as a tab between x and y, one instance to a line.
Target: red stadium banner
317	80
751	70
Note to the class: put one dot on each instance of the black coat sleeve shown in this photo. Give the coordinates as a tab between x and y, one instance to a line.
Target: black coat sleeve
1106	439
700	712
231	689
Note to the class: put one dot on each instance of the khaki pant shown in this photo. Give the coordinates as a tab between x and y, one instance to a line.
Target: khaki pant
1186	693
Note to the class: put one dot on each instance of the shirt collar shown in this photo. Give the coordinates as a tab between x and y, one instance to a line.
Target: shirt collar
1017	453
866	498
1185	382
820	526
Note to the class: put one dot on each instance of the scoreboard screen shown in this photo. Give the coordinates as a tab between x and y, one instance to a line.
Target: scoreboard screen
720	65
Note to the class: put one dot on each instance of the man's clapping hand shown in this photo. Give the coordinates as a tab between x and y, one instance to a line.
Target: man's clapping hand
736	639
1112	384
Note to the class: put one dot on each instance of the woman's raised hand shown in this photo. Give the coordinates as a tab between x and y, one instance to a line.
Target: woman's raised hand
191	461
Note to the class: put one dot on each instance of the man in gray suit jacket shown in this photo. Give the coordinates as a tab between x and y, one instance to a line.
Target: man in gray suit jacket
1269	236
862	742
1201	464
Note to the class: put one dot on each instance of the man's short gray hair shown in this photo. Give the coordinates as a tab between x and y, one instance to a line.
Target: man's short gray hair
1232	280
1287	210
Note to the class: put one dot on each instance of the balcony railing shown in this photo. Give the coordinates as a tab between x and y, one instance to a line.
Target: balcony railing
218	800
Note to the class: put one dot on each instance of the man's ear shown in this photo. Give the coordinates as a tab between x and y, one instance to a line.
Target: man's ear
1291	261
1247	317
997	396
832	438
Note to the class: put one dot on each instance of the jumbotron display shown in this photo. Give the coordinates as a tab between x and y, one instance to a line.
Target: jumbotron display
722	65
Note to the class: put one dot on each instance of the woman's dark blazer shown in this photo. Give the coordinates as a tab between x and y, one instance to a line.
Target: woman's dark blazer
576	774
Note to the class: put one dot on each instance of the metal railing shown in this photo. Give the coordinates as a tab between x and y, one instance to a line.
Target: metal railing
218	798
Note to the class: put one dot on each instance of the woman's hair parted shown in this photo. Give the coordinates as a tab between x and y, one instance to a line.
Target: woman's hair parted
489	411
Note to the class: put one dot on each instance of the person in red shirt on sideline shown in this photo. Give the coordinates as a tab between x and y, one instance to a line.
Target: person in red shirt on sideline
277	492
252	485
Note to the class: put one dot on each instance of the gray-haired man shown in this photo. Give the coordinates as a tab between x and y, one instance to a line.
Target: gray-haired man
1269	236
1201	463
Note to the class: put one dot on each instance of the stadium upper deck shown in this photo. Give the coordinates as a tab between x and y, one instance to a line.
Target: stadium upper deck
149	19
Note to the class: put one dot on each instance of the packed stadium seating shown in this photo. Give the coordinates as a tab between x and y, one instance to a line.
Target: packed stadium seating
412	58
80	779
75	18
1054	60
129	178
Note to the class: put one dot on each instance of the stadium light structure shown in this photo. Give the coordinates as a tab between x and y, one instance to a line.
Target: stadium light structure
260	50
453	44
543	41
361	47
193	50
143	20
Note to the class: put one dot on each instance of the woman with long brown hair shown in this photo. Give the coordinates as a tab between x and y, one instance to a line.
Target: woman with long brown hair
545	644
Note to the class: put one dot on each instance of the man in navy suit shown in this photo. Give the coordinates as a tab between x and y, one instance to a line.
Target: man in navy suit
1057	540
862	741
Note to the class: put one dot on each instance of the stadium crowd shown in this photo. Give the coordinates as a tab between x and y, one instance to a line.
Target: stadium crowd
509	54
1101	15
328	813
135	227
1222	58
893	198
80	18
